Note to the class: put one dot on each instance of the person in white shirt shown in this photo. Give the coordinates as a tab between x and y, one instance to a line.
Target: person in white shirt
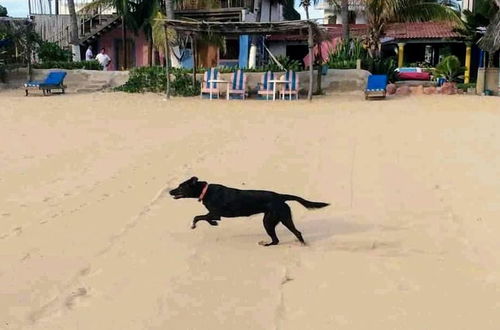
103	59
88	54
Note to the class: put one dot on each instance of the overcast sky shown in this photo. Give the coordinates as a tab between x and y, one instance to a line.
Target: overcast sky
19	8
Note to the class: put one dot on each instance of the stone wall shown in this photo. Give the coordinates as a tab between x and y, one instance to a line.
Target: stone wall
78	81
89	81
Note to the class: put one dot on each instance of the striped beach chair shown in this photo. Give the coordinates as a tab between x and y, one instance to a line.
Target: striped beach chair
210	74
238	84
265	87
292	88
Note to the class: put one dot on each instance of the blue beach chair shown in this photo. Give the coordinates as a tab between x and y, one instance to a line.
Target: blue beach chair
376	86
292	88
54	80
265	87
206	87
238	84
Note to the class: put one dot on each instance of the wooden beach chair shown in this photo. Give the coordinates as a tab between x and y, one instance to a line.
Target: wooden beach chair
376	86
238	84
292	88
265	87
54	80
210	74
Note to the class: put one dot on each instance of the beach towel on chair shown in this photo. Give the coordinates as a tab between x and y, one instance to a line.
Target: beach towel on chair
266	88
238	83
210	74
292	87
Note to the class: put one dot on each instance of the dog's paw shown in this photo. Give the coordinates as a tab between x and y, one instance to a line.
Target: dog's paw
263	243
213	223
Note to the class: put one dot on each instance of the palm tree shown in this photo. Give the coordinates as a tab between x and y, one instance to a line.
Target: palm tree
379	13
73	36
306	4
490	42
344	10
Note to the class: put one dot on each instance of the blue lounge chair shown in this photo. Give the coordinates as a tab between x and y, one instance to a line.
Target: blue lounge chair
376	86
54	80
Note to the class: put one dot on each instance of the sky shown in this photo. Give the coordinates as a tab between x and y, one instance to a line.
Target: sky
19	8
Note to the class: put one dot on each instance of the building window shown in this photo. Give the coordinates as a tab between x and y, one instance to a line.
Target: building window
232	50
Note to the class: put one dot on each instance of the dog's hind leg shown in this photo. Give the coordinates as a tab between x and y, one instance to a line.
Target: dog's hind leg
210	218
270	223
285	215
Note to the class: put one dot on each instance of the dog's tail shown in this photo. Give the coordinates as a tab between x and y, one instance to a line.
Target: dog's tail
305	203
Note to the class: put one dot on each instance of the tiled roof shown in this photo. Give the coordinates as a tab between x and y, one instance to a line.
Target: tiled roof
420	30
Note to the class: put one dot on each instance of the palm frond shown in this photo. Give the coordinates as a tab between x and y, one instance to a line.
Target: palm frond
96	5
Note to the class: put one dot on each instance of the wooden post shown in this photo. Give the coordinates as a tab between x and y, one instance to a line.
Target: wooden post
29	49
310	44
57	7
167	62
194	54
29	7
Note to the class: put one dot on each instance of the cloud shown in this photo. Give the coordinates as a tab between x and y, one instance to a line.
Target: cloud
16	8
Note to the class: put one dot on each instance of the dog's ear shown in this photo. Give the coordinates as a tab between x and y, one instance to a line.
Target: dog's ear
194	179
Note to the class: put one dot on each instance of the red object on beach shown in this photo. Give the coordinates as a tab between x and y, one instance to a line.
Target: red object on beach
414	76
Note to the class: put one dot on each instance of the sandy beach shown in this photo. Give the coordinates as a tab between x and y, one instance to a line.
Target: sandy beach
88	239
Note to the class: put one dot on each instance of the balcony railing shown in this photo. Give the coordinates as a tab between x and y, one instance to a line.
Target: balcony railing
212	4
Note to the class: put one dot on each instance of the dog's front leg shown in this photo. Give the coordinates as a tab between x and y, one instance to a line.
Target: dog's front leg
207	217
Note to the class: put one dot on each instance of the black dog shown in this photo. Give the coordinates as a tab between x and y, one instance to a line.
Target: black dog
229	203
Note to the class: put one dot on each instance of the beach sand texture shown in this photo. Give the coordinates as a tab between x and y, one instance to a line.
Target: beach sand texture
89	241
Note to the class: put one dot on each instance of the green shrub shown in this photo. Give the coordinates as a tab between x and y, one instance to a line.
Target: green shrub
464	87
381	66
85	65
51	52
154	79
287	63
449	68
346	54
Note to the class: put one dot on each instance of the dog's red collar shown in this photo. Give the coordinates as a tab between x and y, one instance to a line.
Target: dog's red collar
203	193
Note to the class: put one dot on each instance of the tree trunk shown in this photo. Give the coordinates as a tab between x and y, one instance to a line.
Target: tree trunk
344	9
124	44
150	49
306	8
73	36
253	46
169	9
195	60
310	44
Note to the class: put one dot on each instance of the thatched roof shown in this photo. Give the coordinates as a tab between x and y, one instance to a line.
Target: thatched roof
241	28
490	42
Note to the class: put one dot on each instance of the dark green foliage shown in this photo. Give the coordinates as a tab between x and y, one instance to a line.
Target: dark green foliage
154	79
3	11
182	84
288	64
464	87
346	54
381	66
449	68
51	52
85	65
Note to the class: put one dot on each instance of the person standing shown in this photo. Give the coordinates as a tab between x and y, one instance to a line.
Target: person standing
89	54
103	59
